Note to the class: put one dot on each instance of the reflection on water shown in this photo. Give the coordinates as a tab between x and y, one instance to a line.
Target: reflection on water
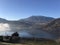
21	33
42	34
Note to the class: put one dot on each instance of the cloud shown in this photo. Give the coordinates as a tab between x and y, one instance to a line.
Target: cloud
4	27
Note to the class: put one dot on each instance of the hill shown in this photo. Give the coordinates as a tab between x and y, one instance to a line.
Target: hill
2	20
54	28
27	23
38	19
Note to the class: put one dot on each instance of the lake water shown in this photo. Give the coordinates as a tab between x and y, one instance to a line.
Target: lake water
38	34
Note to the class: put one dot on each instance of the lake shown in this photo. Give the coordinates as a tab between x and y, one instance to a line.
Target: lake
37	34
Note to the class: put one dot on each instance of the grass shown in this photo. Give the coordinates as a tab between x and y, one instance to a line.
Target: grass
31	43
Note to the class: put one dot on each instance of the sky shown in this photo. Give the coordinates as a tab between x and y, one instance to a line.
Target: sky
18	9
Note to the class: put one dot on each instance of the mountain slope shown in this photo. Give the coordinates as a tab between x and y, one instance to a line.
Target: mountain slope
2	20
38	19
54	28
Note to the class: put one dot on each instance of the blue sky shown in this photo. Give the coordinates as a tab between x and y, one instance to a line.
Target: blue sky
17	9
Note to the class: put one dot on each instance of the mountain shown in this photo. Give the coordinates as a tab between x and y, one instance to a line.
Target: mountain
28	23
18	26
38	19
54	28
31	19
2	20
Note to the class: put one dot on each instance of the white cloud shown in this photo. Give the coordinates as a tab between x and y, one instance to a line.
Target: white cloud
4	27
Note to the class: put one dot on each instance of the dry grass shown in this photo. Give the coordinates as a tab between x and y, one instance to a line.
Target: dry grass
31	43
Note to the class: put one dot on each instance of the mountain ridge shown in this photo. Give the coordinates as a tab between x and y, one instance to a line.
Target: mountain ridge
37	19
